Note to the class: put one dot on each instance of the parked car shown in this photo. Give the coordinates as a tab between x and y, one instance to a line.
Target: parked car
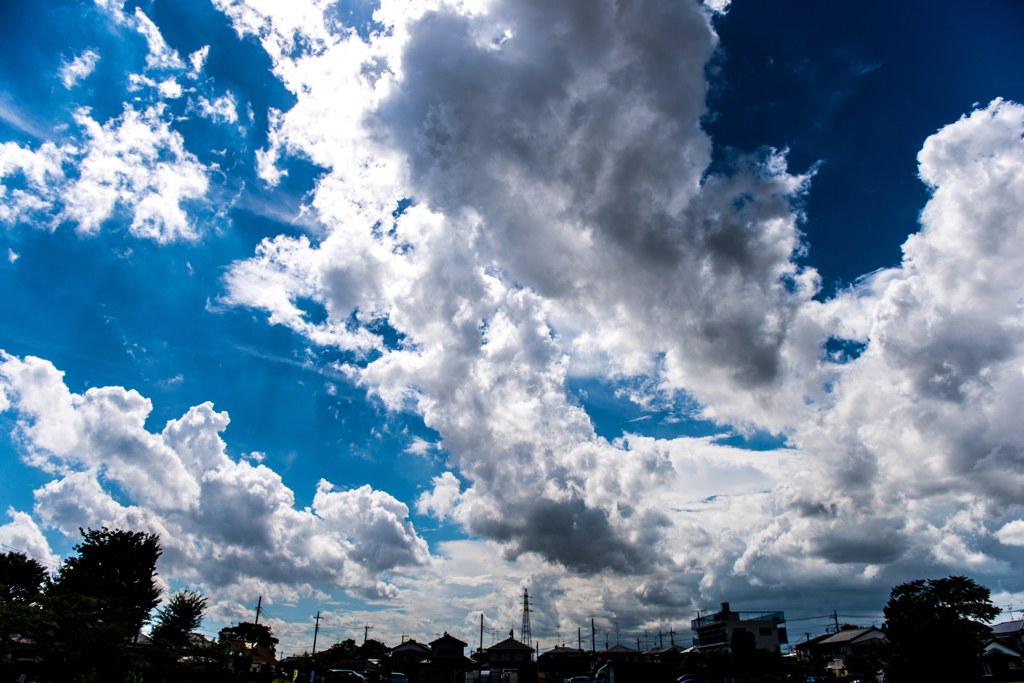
343	676
397	677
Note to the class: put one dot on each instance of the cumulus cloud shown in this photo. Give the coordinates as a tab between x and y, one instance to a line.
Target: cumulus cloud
78	69
22	535
541	150
133	164
222	522
521	190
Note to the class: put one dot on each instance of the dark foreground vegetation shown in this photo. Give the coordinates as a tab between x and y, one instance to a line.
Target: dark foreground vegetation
83	623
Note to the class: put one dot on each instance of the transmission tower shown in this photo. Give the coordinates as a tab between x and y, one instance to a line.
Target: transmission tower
524	633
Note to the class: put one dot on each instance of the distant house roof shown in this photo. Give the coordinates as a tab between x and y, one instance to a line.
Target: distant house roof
411	645
511	643
561	650
854	634
1008	627
808	644
259	654
620	649
447	640
664	650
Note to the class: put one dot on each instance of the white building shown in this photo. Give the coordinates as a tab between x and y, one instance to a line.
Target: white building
712	633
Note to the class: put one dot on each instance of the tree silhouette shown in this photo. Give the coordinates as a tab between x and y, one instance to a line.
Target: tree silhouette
21	578
182	615
934	629
118	569
251	633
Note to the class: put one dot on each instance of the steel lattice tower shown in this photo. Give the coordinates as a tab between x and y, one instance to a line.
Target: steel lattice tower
524	633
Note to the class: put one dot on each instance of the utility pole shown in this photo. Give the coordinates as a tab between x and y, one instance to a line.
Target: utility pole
835	617
366	631
593	636
258	605
672	636
481	632
661	639
579	637
316	631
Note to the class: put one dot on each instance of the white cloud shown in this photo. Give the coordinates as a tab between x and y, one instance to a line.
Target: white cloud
42	171
169	89
420	446
198	60
1012	533
221	110
161	55
11	256
78	69
22	535
134	163
221	522
564	222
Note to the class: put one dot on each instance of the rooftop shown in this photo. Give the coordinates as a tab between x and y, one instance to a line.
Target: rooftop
726	615
509	644
851	634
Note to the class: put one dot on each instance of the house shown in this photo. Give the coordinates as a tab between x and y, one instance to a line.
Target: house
672	653
618	653
447	662
840	645
1010	633
407	656
811	651
712	633
510	656
564	662
255	659
1000	662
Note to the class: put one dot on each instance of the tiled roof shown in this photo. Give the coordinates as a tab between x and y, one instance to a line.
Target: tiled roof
850	634
447	639
509	644
621	648
1008	627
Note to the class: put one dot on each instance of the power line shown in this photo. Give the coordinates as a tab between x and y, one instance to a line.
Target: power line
22	551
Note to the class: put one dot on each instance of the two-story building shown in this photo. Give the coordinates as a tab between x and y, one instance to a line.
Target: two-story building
712	633
447	662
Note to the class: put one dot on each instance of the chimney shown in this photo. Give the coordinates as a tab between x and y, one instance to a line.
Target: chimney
725	607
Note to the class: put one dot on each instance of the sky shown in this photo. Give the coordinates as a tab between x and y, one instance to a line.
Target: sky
391	310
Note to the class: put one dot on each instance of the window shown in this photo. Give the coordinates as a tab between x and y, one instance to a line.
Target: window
1013	664
986	669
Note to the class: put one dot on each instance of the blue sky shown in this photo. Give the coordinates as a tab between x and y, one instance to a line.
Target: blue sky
641	308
